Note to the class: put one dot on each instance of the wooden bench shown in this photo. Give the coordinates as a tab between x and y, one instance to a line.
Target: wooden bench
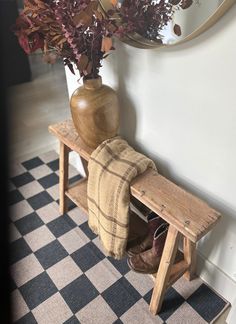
189	217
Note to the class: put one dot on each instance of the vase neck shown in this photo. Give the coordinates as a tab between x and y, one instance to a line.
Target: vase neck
92	84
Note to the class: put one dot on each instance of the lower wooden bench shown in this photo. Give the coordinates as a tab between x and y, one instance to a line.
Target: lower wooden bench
189	217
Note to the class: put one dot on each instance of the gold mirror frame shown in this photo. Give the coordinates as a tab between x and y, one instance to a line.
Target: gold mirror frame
140	42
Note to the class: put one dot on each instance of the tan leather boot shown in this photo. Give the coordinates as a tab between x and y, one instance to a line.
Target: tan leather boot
145	242
149	260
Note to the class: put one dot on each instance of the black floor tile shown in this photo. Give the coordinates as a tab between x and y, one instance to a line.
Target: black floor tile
70	205
148	296
87	231
79	293
172	301
40	200
120	265
18	250
12	285
206	302
75	178
51	254
14	197
49	180
28	223
72	320
33	163
61	225
27	319
118	321
121	296
38	290
54	165
87	256
22	179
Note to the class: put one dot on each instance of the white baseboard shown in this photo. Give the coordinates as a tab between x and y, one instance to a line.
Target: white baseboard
220	282
216	278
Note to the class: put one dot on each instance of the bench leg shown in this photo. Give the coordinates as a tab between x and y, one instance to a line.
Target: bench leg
190	257
163	274
63	177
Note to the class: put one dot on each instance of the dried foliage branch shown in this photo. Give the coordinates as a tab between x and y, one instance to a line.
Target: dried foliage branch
88	33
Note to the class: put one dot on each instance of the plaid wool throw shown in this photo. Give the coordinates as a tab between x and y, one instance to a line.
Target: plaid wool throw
112	167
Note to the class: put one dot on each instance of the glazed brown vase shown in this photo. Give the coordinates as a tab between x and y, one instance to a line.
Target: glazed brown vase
95	112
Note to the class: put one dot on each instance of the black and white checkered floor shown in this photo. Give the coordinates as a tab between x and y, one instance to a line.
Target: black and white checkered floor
61	275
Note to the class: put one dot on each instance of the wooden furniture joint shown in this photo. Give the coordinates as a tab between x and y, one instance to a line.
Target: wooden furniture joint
189	217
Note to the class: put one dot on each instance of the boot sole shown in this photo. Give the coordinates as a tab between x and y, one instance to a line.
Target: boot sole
130	254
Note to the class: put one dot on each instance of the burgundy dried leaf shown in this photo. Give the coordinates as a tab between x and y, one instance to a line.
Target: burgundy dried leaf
106	44
31	43
177	30
89	68
186	4
82	19
83	62
92	6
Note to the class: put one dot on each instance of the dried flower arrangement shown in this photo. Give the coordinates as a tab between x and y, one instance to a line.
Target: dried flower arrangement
81	34
72	29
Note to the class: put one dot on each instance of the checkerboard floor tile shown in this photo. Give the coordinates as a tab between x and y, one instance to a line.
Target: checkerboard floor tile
28	223
14	233
52	310
60	274
64	272
30	189
104	314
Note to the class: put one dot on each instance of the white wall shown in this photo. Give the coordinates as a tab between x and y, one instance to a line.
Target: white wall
178	105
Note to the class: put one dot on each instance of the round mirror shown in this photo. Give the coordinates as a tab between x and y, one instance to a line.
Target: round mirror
189	18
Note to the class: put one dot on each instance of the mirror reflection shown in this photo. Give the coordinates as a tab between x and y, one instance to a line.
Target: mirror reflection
156	22
190	19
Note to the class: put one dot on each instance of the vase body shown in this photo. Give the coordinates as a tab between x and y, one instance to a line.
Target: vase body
95	112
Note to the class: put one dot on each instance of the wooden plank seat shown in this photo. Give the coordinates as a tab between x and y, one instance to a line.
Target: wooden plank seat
189	217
